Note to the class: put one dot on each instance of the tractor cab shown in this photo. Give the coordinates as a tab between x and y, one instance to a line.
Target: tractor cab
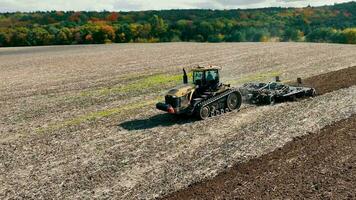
206	77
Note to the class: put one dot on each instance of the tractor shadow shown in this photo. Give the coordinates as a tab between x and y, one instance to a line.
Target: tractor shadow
160	120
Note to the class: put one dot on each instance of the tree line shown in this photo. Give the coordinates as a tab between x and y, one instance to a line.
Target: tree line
335	24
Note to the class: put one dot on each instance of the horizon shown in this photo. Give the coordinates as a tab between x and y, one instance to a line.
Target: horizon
11	7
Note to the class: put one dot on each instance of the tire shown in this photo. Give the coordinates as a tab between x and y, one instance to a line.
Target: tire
204	112
233	101
312	93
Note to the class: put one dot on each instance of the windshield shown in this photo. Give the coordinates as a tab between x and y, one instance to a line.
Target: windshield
197	77
211	76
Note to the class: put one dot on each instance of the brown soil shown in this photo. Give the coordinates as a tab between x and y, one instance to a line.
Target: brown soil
331	81
316	166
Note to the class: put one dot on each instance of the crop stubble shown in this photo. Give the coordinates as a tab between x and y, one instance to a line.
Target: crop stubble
43	86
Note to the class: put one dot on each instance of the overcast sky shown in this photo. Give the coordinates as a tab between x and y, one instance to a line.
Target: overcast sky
128	5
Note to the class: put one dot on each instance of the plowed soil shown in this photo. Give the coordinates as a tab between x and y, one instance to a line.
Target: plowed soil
315	166
331	81
79	122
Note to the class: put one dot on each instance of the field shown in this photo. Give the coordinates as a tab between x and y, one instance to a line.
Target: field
80	122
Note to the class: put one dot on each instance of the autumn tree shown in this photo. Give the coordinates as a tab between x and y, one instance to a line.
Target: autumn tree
19	36
64	36
112	17
350	35
40	36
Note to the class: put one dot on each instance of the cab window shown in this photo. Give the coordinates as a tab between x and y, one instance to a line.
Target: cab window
211	75
197	78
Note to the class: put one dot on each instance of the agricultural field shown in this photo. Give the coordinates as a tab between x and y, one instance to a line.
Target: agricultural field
80	121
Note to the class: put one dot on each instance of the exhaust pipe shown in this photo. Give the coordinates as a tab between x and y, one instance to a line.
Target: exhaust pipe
185	77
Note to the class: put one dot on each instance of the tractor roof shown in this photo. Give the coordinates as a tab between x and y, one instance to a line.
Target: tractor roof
206	68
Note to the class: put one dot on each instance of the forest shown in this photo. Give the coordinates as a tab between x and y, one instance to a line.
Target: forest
334	24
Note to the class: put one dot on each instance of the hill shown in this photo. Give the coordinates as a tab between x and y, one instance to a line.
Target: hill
313	24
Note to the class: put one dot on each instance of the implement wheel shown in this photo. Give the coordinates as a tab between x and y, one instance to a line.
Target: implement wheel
233	101
270	100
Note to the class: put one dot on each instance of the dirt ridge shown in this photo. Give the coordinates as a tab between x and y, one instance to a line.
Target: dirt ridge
318	165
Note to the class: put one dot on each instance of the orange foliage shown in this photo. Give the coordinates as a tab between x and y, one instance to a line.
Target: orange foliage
89	38
94	19
112	16
308	12
75	17
109	30
100	22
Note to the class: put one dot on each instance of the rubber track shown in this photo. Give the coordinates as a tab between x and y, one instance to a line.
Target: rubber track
209	101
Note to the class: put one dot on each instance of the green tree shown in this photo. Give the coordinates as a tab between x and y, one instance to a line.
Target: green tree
64	36
236	36
325	35
40	36
255	34
123	33
159	27
4	39
205	29
20	36
291	34
216	38
186	28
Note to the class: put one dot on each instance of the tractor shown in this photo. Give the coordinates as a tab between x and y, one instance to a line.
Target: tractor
205	96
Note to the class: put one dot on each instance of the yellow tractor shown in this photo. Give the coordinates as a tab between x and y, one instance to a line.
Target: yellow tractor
204	97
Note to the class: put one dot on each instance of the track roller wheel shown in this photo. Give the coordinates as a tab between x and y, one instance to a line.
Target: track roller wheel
212	111
217	112
212	114
204	112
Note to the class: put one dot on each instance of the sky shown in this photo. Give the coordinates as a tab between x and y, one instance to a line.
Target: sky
134	5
